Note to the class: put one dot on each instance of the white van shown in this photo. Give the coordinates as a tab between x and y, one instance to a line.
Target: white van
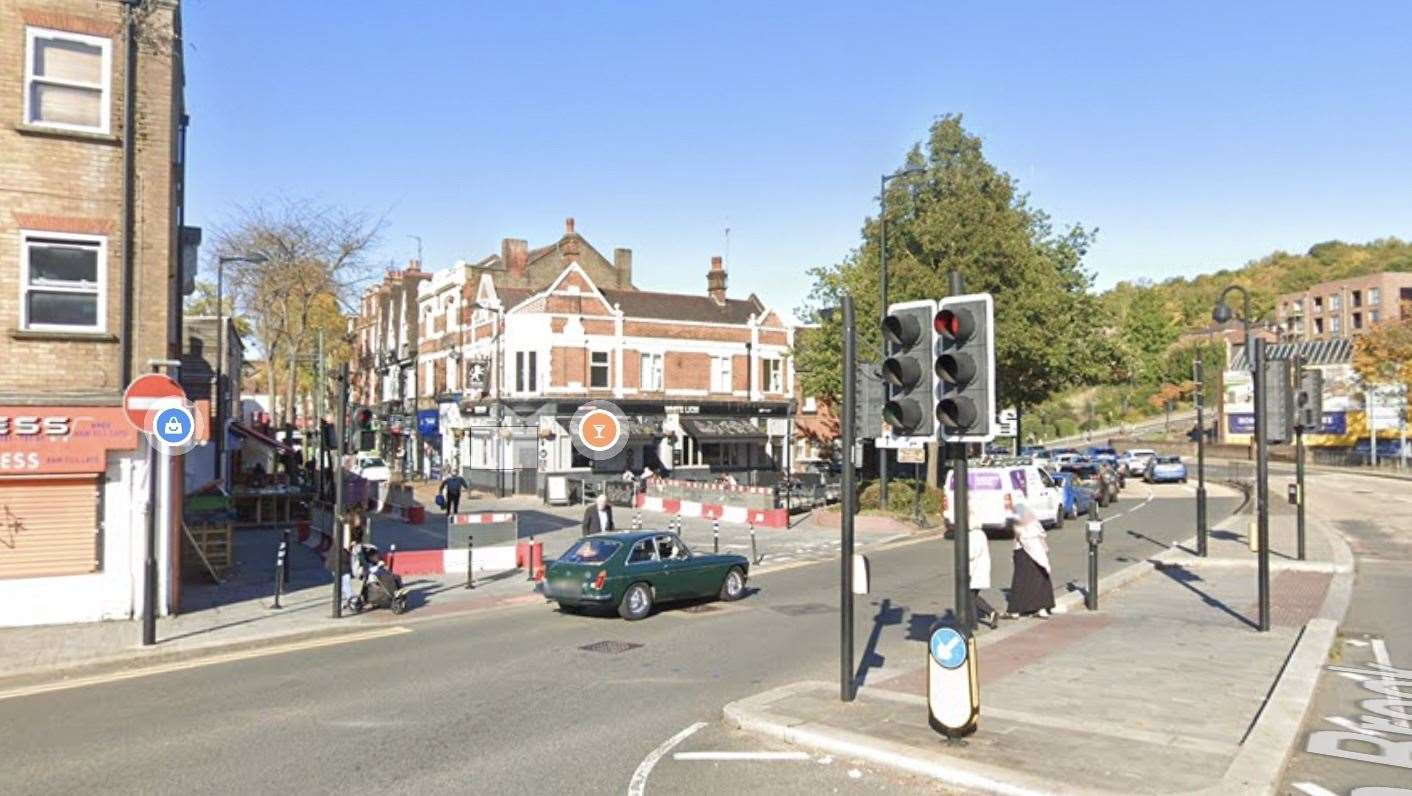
990	484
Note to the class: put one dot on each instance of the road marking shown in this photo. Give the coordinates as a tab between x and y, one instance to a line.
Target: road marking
1314	790
638	784
740	756
1380	652
1138	507
1352	726
230	657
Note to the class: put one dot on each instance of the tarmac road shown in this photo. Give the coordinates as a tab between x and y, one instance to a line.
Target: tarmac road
508	701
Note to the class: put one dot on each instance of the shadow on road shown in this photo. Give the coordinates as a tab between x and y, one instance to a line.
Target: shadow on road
1186	578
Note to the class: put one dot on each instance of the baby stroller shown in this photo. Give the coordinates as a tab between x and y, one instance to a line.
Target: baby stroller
381	588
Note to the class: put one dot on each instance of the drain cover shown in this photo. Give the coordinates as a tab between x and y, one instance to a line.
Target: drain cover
802	609
609	647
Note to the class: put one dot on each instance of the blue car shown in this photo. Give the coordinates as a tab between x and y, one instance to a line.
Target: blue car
1165	469
1103	455
1077	499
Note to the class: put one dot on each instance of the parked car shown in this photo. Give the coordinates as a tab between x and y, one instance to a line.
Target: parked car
1102	455
371	468
1081	466
1059	461
634	572
1077	498
1113	477
989	485
1165	469
1135	461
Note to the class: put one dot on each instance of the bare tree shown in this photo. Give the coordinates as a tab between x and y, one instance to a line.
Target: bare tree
316	257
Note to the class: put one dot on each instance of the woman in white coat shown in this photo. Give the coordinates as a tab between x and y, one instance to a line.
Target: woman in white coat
978	545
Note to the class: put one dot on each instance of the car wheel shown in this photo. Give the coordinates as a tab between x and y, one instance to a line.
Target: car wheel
636	603
734	586
399	605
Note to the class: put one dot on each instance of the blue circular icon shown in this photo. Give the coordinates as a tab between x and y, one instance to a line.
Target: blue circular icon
173	426
948	647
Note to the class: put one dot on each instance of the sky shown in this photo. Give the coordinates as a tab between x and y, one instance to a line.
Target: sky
1194	136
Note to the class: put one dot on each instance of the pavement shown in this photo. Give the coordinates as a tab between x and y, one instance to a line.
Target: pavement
1118	700
520	697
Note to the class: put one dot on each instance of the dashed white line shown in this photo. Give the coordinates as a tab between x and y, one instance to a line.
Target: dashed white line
638	784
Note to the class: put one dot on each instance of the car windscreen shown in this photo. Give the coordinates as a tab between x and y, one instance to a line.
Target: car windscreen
1170	460
373	463
591	551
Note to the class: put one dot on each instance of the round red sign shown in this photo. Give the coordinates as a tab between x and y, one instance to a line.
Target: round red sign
142	395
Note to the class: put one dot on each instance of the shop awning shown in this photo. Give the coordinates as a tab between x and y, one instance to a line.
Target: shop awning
249	433
722	429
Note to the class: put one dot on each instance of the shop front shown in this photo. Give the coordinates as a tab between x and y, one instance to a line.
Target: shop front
73	500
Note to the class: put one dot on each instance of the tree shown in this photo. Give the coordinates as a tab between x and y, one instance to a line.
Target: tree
962	213
315	257
1384	354
203	303
1147	330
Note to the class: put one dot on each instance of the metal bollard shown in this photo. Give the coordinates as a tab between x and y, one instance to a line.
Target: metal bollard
281	567
637	521
678	524
284	545
470	562
715	536
529	560
754	559
1094	534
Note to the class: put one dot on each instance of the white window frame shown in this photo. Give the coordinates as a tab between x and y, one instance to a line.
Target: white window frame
526	382
774	374
722	374
607	367
28	236
1335	302
105	89
1375	296
651	379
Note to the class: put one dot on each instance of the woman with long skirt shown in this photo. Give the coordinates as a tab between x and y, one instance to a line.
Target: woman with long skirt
1031	590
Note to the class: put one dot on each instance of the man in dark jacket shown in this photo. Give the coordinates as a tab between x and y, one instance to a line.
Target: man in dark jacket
598	517
452	487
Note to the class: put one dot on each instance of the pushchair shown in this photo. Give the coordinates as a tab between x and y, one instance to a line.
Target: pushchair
380	586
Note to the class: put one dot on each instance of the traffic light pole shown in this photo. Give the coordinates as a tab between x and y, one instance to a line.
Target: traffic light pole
961	517
337	529
1299	461
1262	483
1200	458
850	502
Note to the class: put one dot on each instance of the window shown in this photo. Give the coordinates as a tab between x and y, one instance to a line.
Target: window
1375	296
63	281
1318	326
1335	303
598	370
643	552
720	374
774	375
1374	316
1357	297
811	404
1335	325
1357	320
526	375
651	371
670	548
67	78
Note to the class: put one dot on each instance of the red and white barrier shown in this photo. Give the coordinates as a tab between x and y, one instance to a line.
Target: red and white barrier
761	518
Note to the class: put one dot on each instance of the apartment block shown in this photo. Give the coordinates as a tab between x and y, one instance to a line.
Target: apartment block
78	318
1344	308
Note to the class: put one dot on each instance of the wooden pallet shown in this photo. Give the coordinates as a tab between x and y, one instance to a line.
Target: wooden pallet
216	550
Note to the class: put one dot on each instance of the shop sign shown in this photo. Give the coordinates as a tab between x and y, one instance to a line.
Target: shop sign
48	439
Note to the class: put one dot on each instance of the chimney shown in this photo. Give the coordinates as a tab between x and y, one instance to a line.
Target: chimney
569	246
716	281
514	253
622	263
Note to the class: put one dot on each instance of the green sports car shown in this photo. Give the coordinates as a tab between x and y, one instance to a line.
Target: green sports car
634	571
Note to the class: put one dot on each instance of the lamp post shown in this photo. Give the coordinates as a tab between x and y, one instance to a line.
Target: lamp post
254	258
882	309
1255	358
499	311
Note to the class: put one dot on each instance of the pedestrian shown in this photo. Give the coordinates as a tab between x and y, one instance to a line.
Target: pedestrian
598	518
978	545
451	488
1031	590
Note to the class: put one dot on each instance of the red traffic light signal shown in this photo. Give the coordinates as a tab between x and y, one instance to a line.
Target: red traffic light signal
964	368
954	324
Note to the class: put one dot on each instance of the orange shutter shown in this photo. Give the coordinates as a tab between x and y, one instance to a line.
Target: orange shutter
48	526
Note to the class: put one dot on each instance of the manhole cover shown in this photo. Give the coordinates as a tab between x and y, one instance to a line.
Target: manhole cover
609	647
700	609
802	609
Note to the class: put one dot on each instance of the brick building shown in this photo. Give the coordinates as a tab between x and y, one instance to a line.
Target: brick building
1344	308
79	317
384	372
513	344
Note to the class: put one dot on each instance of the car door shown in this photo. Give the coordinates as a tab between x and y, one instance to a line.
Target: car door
643	563
1050	497
690	573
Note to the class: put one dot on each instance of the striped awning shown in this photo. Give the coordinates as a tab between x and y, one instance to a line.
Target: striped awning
1314	352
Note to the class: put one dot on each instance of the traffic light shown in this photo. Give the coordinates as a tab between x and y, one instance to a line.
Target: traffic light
964	368
907	335
1279	397
1309	402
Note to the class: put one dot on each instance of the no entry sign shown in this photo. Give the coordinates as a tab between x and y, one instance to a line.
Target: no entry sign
142	395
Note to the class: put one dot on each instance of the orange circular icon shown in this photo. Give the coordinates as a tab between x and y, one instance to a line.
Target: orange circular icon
599	430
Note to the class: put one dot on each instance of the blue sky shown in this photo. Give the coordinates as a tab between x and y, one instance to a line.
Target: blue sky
1195	136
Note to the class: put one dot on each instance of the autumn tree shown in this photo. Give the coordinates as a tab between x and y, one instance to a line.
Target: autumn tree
1384	354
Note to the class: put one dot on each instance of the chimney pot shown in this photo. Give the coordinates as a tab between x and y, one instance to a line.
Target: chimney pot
622	263
569	225
716	281
514	253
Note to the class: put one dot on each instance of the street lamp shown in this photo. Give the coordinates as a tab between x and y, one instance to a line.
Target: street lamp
1221	314
908	171
253	258
499	311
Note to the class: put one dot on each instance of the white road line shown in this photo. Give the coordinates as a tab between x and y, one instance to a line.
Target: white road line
132	674
1314	790
1138	507
1380	652
740	756
638	785
1352	726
